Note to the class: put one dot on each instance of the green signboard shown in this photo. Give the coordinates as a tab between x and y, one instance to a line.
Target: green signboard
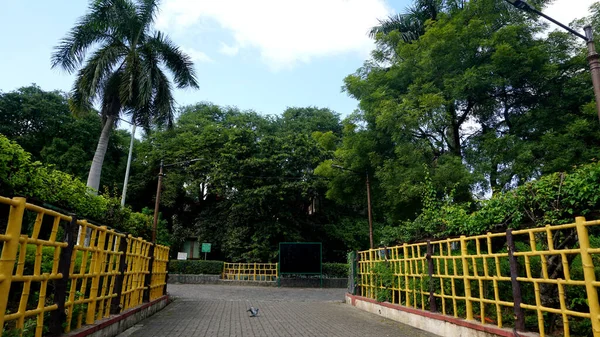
206	247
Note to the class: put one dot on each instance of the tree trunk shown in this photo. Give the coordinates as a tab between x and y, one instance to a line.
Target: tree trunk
93	181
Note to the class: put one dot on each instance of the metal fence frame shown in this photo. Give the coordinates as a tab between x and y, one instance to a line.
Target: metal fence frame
458	273
92	279
250	271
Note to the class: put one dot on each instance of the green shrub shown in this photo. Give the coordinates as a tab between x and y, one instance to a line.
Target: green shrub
195	267
335	270
20	176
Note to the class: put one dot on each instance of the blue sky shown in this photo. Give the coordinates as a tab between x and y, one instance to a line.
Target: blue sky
263	55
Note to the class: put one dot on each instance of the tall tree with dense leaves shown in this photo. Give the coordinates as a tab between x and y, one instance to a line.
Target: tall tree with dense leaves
33	117
124	73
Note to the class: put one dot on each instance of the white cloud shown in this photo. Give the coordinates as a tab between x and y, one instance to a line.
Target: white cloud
228	50
284	31
196	55
565	11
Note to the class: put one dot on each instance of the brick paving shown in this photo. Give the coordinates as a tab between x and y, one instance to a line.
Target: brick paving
213	310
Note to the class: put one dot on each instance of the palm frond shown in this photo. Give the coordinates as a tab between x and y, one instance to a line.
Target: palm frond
128	89
79	103
408	25
149	61
164	103
175	60
411	23
92	28
147	11
100	65
110	99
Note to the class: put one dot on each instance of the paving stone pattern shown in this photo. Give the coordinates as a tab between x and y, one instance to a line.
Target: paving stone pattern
213	310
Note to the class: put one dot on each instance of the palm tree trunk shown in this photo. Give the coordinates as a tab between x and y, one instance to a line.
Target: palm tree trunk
93	181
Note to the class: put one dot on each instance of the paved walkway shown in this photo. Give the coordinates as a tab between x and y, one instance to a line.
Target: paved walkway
213	310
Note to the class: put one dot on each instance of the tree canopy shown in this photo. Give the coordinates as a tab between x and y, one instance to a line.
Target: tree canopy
470	119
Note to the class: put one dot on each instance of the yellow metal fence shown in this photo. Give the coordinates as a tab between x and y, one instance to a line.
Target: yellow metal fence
250	271
58	272
540	279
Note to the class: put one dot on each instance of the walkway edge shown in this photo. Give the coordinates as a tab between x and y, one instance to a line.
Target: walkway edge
429	321
116	324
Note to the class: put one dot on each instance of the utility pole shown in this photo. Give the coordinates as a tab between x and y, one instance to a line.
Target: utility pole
369	210
158	188
160	177
370	214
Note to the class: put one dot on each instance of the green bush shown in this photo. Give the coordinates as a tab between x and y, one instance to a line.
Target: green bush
195	267
20	176
335	270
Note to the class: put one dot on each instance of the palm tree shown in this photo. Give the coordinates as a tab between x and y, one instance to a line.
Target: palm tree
411	24
124	74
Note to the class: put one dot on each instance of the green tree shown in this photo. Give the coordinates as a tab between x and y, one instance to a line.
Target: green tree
124	73
33	117
41	123
479	98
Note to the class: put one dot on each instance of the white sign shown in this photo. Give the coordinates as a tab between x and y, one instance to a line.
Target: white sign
181	256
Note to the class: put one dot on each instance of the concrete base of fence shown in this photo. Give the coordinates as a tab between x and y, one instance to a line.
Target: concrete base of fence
284	282
313	282
435	323
194	279
248	283
114	325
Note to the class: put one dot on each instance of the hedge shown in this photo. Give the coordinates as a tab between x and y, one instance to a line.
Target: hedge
20	176
335	270
195	267
330	270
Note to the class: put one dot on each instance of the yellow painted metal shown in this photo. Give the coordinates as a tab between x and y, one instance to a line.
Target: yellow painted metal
159	271
250	271
9	252
589	274
94	266
472	280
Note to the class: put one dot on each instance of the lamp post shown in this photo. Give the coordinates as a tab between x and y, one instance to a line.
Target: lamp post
133	127
368	200
158	188
593	58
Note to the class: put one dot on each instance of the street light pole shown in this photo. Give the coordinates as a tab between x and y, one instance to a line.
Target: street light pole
369	212
594	62
160	176
128	165
593	58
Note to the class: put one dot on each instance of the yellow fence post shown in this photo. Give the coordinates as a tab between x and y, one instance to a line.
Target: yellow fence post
463	253
588	274
97	269
9	253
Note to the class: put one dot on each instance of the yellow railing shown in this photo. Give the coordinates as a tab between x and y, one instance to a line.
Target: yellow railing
519	278
250	271
107	271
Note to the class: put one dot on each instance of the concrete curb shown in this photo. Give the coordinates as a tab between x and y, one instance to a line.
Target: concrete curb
283	282
433	322
114	325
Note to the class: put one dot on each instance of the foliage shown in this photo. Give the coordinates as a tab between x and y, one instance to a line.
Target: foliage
383	278
125	72
551	200
195	267
43	184
473	94
251	185
335	270
41	123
